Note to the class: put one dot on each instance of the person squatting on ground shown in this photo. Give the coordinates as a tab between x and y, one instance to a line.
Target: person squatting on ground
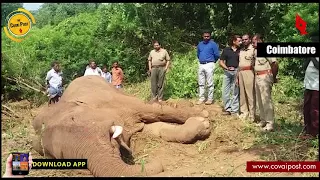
246	79
266	71
229	61
106	74
54	83
93	69
208	54
158	63
311	93
117	75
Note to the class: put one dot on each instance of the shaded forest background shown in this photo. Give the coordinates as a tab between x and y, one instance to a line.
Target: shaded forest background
73	33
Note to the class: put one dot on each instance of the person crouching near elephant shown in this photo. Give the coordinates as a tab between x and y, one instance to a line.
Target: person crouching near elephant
54	83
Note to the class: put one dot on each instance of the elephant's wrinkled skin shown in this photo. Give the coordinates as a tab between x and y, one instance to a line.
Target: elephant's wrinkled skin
82	124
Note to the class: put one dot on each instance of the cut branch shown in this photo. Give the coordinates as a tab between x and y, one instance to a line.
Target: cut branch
25	84
12	113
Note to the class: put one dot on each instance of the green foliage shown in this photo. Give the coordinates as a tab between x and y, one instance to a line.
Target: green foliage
54	13
287	32
288	89
182	78
6	9
74	33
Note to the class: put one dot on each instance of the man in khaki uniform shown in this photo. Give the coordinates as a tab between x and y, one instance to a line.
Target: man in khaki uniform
159	61
246	79
266	70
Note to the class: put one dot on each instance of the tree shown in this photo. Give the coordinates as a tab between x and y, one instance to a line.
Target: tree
6	9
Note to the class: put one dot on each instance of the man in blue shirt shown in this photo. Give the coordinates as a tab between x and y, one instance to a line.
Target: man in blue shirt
208	54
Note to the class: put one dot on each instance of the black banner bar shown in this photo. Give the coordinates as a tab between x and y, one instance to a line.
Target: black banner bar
288	50
59	164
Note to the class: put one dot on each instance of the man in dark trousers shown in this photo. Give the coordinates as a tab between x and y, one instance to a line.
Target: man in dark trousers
229	61
311	93
158	62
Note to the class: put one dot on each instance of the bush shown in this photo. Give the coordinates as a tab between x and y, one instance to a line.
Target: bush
182	78
288	89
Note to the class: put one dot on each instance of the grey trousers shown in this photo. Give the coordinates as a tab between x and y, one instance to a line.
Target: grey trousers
157	82
230	92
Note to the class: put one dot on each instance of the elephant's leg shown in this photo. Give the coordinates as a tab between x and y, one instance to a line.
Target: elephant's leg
157	113
195	128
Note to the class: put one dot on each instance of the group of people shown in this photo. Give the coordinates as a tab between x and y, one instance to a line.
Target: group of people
247	82
115	77
247	79
54	78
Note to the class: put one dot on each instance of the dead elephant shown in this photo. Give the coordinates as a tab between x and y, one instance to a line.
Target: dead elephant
93	120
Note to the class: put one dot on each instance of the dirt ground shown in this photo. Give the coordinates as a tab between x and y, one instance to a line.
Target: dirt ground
223	154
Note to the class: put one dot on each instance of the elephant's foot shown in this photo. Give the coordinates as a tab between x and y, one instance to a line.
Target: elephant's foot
195	128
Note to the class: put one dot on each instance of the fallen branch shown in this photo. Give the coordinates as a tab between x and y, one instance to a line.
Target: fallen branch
25	84
10	110
39	84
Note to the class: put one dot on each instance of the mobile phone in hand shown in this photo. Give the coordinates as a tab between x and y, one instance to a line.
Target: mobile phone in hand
20	163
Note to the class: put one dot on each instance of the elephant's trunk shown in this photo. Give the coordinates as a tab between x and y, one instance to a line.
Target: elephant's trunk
108	163
105	160
70	141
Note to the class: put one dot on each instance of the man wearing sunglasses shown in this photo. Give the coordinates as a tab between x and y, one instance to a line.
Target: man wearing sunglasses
229	61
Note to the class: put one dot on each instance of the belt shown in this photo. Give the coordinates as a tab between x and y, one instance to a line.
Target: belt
263	72
157	66
245	68
206	62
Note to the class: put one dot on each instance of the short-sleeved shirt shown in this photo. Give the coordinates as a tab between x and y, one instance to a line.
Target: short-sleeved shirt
54	78
231	57
311	79
247	56
262	63
159	58
97	71
117	76
107	76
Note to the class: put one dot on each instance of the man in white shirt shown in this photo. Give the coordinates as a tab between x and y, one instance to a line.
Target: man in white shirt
93	69
311	94
54	83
